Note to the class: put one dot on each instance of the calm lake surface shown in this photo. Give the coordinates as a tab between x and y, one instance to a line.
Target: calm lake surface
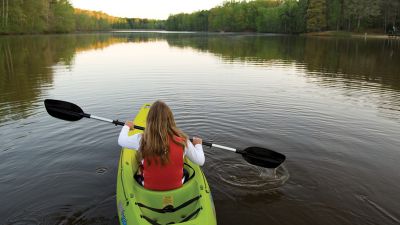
332	106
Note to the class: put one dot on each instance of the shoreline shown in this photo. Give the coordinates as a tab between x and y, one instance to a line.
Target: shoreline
336	34
346	34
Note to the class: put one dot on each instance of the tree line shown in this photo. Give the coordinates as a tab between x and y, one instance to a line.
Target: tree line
291	16
59	16
276	16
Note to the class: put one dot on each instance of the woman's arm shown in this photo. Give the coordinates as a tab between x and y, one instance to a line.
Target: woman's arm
195	152
131	142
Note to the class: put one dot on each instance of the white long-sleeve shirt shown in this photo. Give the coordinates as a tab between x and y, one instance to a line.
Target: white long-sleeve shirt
194	153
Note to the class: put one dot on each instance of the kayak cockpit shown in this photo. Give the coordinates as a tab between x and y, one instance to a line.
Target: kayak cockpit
179	207
161	207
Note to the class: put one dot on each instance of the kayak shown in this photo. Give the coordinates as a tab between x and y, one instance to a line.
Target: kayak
191	204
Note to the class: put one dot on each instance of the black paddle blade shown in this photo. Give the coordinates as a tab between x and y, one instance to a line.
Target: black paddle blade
64	110
262	157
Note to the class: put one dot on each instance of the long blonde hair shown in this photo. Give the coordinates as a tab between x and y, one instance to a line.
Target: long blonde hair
160	127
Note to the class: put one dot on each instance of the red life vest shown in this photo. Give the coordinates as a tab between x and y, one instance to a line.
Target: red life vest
165	177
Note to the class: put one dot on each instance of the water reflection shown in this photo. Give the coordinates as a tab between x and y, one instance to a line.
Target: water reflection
25	67
358	59
26	61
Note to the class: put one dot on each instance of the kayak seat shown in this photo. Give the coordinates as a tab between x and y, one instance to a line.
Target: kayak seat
186	175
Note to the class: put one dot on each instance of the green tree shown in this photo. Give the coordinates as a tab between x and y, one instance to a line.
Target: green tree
357	10
268	20
390	11
316	15
288	15
301	23
334	13
63	19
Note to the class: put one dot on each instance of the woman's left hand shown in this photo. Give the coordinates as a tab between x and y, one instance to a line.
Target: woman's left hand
130	125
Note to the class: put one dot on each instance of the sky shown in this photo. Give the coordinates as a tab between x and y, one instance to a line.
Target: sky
151	9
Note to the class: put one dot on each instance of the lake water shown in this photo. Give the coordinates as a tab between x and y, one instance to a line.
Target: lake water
332	106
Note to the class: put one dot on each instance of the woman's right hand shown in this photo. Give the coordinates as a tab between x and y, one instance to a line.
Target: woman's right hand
197	140
130	125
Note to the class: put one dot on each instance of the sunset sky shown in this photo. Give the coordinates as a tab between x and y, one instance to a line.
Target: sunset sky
152	9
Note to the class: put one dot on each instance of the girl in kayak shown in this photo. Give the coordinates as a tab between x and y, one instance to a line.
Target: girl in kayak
162	148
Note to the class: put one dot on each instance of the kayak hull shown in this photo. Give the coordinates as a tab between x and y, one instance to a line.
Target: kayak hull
191	204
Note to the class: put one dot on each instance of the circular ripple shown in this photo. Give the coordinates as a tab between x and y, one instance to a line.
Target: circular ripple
252	177
101	170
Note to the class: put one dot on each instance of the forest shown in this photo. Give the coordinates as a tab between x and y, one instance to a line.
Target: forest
273	16
292	16
59	16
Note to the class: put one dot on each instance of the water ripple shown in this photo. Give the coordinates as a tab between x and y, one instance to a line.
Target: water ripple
240	178
27	218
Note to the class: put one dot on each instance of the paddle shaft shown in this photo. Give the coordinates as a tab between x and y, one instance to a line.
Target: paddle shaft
116	122
209	144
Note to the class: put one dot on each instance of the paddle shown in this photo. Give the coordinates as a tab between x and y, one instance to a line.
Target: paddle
71	112
254	155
